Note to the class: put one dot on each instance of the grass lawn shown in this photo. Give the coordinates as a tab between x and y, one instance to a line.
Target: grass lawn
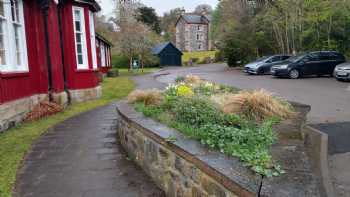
15	143
201	55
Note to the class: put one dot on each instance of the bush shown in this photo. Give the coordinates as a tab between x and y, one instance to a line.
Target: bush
195	111
147	97
120	61
180	79
151	61
218	57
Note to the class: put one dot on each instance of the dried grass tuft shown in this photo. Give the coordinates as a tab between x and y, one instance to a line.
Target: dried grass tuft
193	79
258	105
148	97
43	109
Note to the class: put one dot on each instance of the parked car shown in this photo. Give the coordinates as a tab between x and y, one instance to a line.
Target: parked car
342	72
313	63
264	64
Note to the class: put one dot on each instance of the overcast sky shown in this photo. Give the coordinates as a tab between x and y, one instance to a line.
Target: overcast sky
161	6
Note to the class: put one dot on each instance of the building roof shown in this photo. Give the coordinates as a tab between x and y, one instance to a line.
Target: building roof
93	3
160	47
103	39
195	18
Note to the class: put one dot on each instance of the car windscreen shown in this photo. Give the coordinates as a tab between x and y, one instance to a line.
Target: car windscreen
262	58
296	58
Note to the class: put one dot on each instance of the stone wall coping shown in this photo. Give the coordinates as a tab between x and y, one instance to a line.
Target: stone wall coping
228	171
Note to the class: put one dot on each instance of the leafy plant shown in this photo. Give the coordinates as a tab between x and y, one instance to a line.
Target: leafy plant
192	109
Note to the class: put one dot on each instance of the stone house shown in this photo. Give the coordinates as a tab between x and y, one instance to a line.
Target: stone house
192	32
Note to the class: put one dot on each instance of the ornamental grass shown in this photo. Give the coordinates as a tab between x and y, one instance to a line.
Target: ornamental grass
193	79
256	105
148	97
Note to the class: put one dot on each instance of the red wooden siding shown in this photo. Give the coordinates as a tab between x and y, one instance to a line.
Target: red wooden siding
108	63
18	85
77	79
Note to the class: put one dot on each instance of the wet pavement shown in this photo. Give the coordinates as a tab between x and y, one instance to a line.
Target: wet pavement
81	157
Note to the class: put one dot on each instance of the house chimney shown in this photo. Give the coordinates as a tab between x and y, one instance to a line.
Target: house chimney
183	11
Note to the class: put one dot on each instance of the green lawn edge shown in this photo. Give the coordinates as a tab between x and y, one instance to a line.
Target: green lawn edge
17	142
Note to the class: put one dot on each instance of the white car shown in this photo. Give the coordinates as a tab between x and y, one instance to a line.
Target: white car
342	72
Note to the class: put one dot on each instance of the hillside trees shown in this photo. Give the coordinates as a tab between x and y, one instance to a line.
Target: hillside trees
282	26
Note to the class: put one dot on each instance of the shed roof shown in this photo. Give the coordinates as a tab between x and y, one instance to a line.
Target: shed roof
103	39
160	47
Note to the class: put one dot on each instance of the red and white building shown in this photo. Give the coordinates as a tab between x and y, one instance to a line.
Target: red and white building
47	51
104	55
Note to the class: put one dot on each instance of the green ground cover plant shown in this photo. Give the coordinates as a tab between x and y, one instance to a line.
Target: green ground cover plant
192	109
16	142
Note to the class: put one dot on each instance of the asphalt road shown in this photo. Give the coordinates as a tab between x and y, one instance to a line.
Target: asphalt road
329	99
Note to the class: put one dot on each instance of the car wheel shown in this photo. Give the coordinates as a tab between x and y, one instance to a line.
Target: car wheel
294	74
260	72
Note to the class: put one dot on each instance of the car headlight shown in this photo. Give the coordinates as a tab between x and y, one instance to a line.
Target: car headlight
283	66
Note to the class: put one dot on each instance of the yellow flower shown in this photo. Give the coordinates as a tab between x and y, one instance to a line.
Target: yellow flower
183	90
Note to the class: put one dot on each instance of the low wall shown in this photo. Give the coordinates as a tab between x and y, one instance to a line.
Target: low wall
184	167
82	95
316	143
12	113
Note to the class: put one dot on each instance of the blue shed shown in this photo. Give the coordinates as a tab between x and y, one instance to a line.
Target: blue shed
168	54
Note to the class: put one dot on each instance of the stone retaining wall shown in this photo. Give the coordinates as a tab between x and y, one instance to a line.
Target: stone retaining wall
82	95
184	167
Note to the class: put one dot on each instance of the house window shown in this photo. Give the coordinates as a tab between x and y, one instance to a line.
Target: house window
107	57
198	27
93	39
103	55
13	47
199	47
80	38
198	36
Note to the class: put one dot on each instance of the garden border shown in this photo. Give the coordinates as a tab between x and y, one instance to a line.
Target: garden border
184	166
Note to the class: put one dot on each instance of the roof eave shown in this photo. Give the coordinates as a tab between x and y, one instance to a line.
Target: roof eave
92	3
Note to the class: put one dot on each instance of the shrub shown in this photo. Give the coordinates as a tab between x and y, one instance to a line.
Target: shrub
195	111
195	59
151	61
147	97
120	61
218	57
256	105
180	79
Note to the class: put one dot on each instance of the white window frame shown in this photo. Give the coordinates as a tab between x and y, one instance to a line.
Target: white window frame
103	54
11	65
93	39
85	64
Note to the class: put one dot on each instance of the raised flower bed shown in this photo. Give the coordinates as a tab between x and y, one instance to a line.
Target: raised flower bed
223	144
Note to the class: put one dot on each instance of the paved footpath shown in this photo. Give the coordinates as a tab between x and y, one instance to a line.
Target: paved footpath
81	157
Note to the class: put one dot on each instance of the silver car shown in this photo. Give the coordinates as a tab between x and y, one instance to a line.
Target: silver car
342	72
264	64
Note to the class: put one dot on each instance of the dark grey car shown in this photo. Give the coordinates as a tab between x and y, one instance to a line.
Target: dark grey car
264	64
